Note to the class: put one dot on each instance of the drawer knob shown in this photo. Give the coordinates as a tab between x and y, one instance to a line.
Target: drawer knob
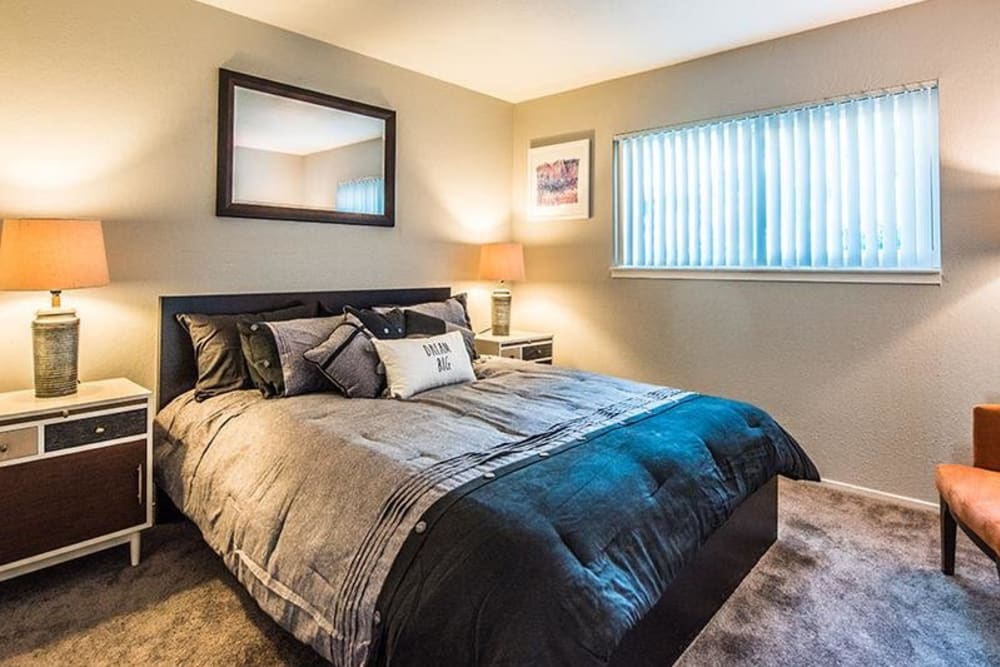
99	430
65	413
3	447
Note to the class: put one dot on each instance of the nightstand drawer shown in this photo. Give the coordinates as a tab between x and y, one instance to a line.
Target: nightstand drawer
80	432
536	351
62	500
531	346
18	443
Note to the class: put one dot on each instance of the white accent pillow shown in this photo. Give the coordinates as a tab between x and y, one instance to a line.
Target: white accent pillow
413	365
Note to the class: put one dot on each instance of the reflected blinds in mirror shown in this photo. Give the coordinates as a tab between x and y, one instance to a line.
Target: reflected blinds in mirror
361	195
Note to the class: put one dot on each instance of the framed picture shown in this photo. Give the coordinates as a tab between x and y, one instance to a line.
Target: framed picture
559	181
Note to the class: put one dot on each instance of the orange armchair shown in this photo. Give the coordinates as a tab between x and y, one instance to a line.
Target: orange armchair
970	496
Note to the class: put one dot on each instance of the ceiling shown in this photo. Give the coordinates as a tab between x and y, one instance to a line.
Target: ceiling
522	49
271	123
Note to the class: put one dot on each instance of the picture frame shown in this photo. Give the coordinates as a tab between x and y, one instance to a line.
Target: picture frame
559	181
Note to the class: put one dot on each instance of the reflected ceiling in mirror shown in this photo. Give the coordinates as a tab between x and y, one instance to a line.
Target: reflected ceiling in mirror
293	154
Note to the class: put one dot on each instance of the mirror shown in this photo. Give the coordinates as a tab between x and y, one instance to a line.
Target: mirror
286	153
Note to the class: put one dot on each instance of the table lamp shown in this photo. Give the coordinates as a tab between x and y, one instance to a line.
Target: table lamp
501	261
53	255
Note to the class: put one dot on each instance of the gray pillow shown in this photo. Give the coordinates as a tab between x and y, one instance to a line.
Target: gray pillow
420	325
274	354
217	351
454	309
349	360
453	312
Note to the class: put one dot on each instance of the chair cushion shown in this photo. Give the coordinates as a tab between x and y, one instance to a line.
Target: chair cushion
973	494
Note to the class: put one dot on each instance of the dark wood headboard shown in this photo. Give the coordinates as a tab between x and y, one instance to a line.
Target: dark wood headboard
177	371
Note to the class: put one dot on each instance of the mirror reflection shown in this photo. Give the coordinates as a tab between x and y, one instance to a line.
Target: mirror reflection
292	153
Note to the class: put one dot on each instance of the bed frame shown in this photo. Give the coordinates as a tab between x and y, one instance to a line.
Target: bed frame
691	599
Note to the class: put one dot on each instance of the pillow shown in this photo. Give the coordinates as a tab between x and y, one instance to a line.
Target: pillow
413	365
454	309
217	350
273	353
348	359
418	324
381	323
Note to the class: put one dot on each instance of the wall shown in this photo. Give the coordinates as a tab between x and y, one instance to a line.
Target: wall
110	112
267	177
877	382
324	170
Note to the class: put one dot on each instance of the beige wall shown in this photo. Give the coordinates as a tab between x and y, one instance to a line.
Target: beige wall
324	170
268	177
109	111
877	382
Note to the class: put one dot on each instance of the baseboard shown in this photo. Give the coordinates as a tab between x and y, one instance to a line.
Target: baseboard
881	495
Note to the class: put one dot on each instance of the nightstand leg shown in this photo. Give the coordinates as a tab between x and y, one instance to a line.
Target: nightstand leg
134	549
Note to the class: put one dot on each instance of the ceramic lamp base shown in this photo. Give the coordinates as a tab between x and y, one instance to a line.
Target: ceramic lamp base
500	315
55	335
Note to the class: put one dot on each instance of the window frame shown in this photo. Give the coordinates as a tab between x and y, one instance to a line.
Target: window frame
869	275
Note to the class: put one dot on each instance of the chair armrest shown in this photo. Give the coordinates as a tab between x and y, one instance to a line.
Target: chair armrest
986	436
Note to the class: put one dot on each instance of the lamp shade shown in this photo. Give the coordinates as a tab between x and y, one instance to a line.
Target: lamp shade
501	261
52	255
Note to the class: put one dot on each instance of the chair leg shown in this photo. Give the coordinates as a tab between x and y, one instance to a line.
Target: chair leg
948	531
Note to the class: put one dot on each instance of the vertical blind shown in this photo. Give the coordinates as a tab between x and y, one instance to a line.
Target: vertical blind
846	185
362	195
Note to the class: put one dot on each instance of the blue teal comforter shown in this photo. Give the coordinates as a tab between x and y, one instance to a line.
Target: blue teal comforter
552	560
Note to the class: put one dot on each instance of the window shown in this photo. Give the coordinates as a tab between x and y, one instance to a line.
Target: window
362	195
838	188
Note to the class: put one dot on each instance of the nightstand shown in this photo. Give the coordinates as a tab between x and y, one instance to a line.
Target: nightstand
74	474
525	345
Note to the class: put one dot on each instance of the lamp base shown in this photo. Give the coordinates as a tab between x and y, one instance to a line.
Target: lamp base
500	314
55	335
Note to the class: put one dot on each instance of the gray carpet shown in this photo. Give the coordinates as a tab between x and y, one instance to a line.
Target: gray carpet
851	581
855	581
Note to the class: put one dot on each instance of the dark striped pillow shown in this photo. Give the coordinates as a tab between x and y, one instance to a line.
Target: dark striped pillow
349	360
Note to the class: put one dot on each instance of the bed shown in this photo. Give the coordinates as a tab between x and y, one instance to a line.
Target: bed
537	516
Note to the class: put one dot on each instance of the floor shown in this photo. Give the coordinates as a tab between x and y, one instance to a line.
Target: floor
856	581
851	581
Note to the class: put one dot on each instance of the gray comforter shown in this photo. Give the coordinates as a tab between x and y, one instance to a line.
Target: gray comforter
292	493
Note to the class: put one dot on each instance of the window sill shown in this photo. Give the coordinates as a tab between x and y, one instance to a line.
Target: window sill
881	276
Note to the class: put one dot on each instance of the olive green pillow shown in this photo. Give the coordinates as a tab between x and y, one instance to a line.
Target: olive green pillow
273	352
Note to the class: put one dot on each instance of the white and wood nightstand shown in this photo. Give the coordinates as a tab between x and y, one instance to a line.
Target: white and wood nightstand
525	345
74	474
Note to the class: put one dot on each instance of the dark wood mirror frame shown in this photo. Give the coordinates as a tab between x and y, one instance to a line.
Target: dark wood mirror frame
225	206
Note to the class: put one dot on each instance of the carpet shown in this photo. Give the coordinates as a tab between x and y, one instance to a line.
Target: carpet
851	581
856	581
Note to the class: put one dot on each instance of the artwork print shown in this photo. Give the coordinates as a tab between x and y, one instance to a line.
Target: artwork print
559	181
